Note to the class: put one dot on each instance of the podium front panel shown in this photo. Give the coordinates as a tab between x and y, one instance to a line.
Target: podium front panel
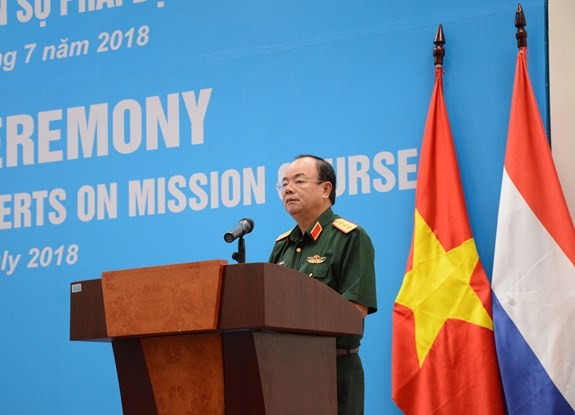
162	300
168	375
270	373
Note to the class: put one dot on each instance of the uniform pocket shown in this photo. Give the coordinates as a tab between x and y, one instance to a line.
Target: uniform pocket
322	272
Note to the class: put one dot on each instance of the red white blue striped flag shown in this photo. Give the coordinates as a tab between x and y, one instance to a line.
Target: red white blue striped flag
534	268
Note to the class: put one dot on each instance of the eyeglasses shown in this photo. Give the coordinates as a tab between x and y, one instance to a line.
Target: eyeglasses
299	183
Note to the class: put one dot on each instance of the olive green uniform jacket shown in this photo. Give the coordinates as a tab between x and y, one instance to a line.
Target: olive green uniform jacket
339	254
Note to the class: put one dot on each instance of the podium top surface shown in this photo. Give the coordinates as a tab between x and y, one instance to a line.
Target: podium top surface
207	296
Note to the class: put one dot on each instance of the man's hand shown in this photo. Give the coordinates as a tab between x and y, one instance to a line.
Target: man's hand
362	309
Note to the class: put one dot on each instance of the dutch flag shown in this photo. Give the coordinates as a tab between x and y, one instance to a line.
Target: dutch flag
534	268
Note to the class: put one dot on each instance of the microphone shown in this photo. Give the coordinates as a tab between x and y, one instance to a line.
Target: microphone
243	227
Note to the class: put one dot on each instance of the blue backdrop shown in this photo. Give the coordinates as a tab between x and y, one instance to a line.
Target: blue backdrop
136	133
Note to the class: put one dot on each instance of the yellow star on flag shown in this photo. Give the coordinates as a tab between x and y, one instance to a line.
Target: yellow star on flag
437	287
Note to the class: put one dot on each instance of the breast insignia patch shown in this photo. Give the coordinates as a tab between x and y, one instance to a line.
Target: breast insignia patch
283	236
344	225
316	259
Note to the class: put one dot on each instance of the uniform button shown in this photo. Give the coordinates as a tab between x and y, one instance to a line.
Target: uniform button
298	250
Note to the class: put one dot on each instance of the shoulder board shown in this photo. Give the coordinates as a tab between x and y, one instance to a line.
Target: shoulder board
344	225
283	236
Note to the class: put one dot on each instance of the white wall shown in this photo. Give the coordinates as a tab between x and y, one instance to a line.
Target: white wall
562	93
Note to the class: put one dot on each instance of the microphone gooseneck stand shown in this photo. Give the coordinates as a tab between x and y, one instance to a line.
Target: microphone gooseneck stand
240	255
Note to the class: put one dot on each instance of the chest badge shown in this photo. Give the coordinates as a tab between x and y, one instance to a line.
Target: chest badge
316	259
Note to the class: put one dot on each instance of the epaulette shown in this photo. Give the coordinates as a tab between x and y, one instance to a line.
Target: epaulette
344	225
283	236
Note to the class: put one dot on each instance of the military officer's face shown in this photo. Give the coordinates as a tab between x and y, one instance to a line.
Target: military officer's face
303	194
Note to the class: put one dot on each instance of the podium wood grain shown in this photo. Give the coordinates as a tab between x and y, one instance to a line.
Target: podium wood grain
214	339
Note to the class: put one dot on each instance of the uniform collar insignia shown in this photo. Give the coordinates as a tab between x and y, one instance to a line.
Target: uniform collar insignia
316	231
316	259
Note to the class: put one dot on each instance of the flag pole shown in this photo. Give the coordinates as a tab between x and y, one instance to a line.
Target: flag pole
520	24
439	50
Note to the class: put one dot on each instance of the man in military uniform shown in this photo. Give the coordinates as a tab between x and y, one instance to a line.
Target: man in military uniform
333	250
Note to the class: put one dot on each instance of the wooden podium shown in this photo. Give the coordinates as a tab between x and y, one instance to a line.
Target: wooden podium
210	338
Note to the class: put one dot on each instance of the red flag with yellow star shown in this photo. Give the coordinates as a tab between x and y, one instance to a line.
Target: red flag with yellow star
444	359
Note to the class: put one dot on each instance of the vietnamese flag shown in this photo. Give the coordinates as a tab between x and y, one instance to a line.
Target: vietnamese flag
444	359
